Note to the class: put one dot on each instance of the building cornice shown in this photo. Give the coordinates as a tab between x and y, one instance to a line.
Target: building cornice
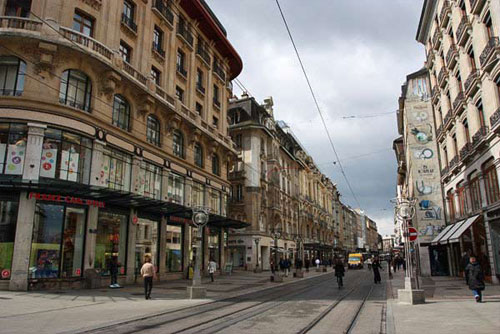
424	25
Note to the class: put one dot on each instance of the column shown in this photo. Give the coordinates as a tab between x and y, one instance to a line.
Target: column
491	255
31	170
97	162
222	251
162	266
130	279
90	238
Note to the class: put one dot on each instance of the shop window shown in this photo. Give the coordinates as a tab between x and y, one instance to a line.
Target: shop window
178	144
215	164
115	171
198	195
8	219
66	156
153	130
146	243
198	155
12	72
111	242
58	242
176	189
215	201
121	113
76	89
174	248
13	138
148	181
83	23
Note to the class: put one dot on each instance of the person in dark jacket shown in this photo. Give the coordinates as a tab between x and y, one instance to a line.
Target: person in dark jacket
339	272
113	270
306	263
475	278
376	270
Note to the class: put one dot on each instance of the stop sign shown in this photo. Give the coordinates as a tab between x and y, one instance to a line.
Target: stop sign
412	233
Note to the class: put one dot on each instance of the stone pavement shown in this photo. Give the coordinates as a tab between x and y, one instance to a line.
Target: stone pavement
449	308
72	311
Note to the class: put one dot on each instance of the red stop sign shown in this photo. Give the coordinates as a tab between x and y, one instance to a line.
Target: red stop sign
412	233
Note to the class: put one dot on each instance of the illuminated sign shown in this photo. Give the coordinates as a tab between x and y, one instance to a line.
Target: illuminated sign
66	199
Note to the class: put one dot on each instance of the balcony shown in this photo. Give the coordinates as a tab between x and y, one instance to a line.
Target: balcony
134	73
444	16
463	31
459	104
200	88
202	52
158	50
447	120
21	23
452	57
182	71
129	23
87	42
495	121
478	140
445	171
472	83
435	94
439	131
219	71
465	152
443	75
163	9
436	39
453	163
490	55
476	6
184	33
430	58
216	103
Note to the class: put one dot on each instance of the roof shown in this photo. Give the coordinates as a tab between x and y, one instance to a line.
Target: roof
213	29
425	22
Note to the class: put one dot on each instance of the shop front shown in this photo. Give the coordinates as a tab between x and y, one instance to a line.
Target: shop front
8	221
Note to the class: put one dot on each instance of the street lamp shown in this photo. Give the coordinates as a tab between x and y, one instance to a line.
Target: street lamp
276	234
257	268
200	219
405	211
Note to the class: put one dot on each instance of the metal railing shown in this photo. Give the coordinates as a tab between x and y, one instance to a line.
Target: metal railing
164	9
219	71
471	80
495	118
87	42
129	22
479	136
202	52
492	45
157	48
14	22
184	32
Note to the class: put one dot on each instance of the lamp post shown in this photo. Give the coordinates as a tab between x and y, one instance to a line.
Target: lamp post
257	268
300	256
405	211
276	234
200	219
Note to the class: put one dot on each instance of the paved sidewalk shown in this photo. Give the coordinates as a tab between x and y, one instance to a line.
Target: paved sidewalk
449	308
71	311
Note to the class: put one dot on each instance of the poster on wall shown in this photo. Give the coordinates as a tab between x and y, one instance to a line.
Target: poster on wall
69	165
15	159
140	181
48	163
104	172
3	148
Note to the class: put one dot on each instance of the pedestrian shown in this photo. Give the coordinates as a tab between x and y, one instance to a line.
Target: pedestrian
475	278
339	272
282	265
376	270
271	263
212	267
317	263
147	272
287	267
307	263
369	264
403	262
399	263
113	271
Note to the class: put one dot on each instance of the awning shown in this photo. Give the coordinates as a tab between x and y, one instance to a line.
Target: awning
449	232
440	236
458	233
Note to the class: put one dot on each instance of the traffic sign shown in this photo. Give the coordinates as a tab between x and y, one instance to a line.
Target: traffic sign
412	233
5	273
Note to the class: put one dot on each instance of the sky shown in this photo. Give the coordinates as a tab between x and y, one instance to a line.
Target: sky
357	54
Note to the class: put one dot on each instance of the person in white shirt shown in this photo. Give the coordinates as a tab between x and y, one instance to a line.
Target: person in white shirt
148	272
317	263
212	267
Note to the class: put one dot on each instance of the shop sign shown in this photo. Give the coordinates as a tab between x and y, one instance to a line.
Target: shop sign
175	219
135	220
66	199
5	273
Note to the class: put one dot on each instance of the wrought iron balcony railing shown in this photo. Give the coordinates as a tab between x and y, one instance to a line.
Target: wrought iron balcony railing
490	52
163	7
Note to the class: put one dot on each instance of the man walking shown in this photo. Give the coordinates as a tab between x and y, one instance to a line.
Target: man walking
212	267
339	272
147	272
376	270
475	278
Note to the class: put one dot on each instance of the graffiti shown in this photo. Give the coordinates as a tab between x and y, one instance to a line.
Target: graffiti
425	170
423	154
422	188
420	116
431	211
430	231
423	136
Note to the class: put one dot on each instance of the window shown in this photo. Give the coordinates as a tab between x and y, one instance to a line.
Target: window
158	40
480	113
491	182
178	144
121	113
199	81
489	26
472	61
153	131
215	201
215	164
179	92
198	155
128	15
75	89
462	201
475	193
125	52
459	81
235	117
215	122
174	248
239	141
455	145
216	96
83	24
149	180
466	131
445	156
176	189
239	193
198	194
180	63
199	109
116	170
156	75
8	220
111	242
19	8
12	71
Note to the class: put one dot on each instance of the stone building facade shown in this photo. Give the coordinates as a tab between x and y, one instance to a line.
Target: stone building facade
113	125
462	46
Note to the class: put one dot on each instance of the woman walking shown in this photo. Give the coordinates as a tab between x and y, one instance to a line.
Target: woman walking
147	272
475	278
376	270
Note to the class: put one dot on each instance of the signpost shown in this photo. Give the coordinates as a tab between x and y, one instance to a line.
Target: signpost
412	233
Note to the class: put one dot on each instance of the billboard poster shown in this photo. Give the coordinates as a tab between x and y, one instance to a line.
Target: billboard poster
15	159
48	163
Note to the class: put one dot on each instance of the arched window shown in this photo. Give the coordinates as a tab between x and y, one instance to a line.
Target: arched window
215	164
198	154
153	131
178	144
12	70
76	89
121	113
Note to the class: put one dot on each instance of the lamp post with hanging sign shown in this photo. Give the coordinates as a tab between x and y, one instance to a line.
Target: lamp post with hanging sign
200	220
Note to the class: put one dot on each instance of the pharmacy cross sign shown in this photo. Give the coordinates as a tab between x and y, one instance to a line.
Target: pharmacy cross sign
412	233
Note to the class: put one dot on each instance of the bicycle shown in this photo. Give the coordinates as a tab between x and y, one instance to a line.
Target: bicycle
340	281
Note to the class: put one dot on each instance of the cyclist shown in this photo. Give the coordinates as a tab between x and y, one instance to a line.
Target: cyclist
339	272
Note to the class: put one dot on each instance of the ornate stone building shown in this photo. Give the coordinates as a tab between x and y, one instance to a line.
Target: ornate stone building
113	124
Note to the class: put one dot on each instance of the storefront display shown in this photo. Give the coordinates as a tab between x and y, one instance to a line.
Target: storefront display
111	241
8	218
13	139
148	180
198	194
58	241
174	248
115	170
215	201
176	189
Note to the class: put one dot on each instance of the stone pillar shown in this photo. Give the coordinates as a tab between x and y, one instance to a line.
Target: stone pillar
162	266
90	238
164	184
33	155
491	255
22	243
131	248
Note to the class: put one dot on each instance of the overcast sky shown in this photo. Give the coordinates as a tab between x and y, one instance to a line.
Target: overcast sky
357	54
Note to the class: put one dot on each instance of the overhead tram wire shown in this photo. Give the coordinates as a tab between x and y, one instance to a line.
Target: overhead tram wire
317	104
